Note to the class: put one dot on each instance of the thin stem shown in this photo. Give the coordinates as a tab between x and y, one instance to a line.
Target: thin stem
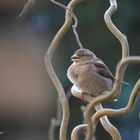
26	9
56	122
123	64
107	125
122	39
122	111
115	92
75	31
51	133
77	131
53	76
132	99
73	26
104	120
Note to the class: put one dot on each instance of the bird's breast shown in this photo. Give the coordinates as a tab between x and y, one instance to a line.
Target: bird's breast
76	73
72	73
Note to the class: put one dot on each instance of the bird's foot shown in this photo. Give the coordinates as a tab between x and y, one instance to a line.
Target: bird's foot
83	95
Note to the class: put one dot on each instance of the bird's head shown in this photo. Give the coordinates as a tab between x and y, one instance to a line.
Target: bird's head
82	56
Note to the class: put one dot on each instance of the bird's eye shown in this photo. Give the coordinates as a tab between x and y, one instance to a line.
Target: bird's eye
82	55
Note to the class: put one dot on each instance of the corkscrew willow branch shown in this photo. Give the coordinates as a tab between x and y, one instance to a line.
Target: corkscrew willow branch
104	120
50	70
55	122
123	41
75	24
123	64
27	7
132	99
116	90
75	31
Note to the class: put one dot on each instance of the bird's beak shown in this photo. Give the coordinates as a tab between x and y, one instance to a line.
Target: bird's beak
75	57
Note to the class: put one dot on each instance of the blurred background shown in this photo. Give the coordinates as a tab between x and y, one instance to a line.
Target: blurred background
27	96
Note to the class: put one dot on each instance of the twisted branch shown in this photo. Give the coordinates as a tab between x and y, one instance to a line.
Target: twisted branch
123	64
55	121
132	99
53	76
104	120
75	24
121	37
77	131
75	32
123	41
115	92
27	7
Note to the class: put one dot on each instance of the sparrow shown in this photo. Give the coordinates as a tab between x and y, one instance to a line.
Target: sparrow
89	74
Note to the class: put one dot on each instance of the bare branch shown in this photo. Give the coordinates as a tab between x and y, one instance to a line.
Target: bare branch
96	100
75	31
53	76
60	4
77	131
26	9
55	122
104	120
51	133
132	99
73	26
83	109
115	92
122	111
122	39
123	64
107	125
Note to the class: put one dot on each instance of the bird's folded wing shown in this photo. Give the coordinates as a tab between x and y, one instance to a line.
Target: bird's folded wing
103	70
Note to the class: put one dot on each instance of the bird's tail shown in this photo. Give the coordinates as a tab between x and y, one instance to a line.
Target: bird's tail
123	82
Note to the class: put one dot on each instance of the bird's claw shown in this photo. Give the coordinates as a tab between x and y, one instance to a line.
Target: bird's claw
83	95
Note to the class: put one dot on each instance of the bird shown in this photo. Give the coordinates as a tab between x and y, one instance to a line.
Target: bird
89	74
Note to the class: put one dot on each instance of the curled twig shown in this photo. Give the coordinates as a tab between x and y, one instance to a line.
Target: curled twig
132	99
52	127
75	32
53	76
115	92
122	39
75	24
123	64
122	111
27	7
77	130
104	120
60	4
107	125
55	121
83	109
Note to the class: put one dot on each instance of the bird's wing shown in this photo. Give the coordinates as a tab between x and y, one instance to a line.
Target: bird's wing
103	70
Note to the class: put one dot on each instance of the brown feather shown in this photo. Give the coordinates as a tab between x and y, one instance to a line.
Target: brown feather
103	69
